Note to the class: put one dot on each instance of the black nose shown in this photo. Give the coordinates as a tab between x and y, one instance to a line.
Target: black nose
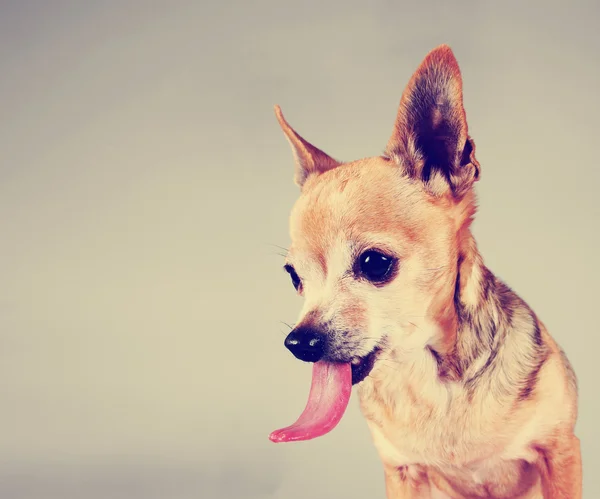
306	344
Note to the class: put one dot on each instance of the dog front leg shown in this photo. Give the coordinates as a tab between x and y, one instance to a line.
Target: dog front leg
560	468
400	485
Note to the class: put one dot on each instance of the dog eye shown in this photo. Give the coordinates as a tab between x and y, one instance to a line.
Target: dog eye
375	266
295	279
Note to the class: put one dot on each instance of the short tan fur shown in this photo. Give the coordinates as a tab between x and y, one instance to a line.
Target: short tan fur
469	396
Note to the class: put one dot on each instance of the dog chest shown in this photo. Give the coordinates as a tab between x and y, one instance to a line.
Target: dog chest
444	461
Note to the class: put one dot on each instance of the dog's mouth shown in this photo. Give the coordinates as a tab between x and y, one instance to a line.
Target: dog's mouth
328	398
362	366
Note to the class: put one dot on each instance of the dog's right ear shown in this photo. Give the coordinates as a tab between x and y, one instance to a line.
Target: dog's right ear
309	160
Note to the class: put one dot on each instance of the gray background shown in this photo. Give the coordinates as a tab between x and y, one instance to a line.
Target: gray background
144	181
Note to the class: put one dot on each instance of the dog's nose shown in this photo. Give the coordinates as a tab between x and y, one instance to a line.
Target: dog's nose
306	344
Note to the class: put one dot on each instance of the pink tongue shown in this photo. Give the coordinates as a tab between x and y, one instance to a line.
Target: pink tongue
327	401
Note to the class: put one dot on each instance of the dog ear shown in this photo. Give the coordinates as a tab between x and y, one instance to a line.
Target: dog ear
308	158
430	138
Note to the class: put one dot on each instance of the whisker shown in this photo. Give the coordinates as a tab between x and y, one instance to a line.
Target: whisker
279	247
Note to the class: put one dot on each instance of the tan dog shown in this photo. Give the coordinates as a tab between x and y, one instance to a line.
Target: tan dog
465	392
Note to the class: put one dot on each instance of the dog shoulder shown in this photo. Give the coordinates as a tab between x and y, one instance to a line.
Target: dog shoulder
551	409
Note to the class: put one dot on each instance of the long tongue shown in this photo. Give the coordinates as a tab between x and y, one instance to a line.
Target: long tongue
327	401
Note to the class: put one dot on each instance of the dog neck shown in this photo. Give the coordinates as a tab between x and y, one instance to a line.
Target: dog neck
487	314
474	309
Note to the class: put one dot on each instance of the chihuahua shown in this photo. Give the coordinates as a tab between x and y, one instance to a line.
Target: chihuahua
465	392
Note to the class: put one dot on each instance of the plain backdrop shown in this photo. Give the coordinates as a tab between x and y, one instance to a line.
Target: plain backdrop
145	186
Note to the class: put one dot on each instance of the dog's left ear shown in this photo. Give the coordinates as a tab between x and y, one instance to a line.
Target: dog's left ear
309	160
430	138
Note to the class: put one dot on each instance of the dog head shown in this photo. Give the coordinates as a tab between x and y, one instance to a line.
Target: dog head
375	242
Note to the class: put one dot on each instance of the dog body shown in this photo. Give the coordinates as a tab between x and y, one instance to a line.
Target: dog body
464	391
444	439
